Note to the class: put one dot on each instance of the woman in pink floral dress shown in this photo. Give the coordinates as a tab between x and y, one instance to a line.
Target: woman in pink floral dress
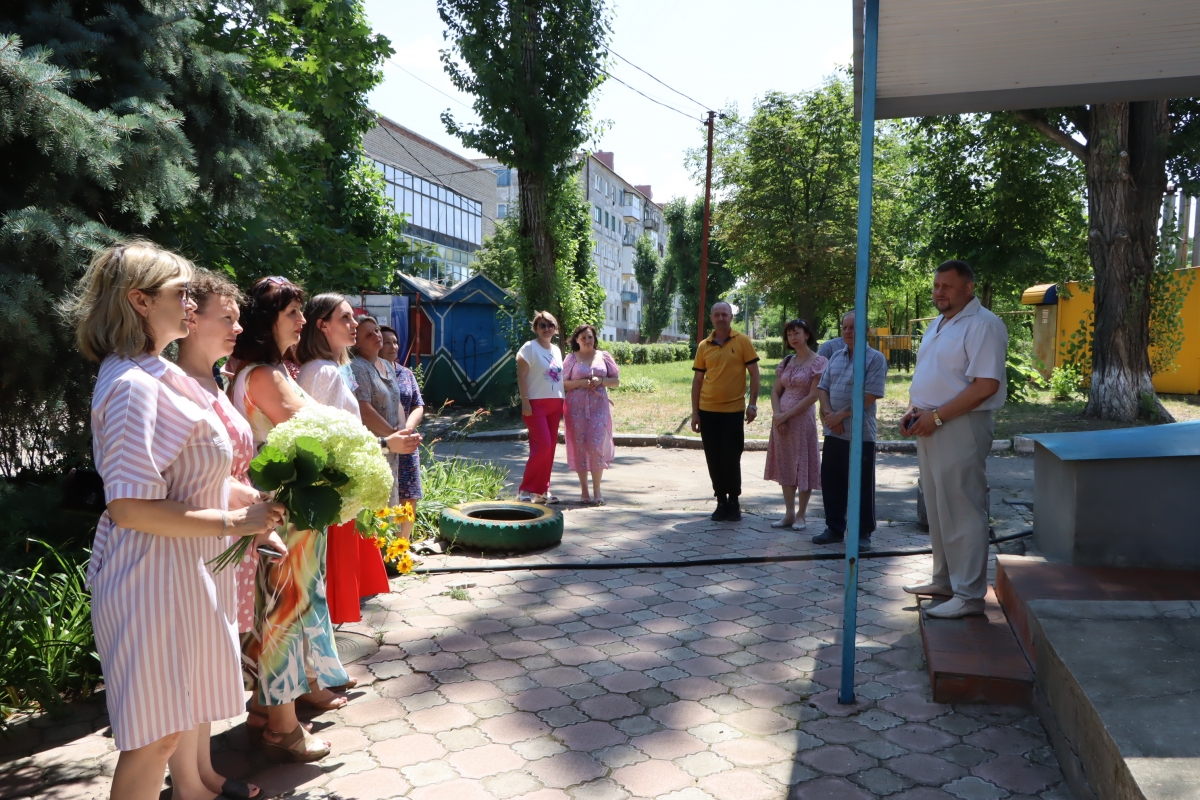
587	375
792	457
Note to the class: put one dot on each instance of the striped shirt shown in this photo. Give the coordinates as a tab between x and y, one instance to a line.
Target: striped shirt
165	626
838	380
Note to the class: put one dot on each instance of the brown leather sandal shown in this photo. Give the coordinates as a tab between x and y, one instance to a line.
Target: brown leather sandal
255	730
338	702
299	746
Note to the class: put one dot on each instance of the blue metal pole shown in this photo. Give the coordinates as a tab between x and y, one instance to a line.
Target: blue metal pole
866	176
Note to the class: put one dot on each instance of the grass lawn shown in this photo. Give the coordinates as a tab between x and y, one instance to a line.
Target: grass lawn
668	408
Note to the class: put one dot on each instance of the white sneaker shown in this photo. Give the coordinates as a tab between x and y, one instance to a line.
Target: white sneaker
954	608
525	497
934	589
550	498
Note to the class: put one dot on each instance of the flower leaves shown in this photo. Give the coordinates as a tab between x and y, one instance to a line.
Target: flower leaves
306	483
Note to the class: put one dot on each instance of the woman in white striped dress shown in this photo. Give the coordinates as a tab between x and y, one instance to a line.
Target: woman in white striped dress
167	642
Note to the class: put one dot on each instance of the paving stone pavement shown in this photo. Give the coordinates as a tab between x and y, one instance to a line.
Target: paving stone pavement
699	683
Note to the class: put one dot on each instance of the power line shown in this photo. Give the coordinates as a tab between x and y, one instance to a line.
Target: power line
430	85
648	97
652	77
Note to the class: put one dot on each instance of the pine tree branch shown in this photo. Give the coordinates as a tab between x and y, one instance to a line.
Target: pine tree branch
1039	123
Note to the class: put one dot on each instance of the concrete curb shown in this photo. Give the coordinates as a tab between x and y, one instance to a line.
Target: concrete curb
752	445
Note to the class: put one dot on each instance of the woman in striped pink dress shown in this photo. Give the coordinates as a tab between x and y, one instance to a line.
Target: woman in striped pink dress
167	644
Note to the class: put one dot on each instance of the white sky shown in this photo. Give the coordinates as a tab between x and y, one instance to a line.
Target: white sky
713	50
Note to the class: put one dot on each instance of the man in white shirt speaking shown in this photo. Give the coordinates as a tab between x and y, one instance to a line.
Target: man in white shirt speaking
959	381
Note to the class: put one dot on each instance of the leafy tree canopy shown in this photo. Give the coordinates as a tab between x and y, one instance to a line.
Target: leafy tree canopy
686	223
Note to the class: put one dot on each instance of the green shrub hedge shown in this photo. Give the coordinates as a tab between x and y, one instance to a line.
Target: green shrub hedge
771	347
664	353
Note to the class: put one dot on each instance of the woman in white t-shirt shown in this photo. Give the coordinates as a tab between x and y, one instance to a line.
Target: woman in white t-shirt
354	566
539	379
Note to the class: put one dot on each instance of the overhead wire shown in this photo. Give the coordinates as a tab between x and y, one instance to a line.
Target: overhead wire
705	106
430	85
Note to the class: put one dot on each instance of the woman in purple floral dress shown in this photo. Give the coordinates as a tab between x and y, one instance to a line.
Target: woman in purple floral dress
587	375
792	458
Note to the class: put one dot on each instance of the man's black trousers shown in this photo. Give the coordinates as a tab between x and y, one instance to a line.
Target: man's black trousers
724	437
835	485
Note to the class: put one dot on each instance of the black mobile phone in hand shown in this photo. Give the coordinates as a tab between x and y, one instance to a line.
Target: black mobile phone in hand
269	553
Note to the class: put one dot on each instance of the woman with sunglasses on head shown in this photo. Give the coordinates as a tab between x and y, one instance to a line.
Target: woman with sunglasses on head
354	565
390	401
164	630
291	645
539	380
792	457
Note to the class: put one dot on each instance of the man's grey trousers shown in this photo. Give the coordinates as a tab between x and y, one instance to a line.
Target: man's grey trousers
954	479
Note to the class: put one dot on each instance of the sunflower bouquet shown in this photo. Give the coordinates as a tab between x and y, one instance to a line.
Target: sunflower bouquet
324	466
385	528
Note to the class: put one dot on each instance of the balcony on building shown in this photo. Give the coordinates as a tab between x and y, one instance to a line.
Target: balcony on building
632	212
627	272
650	223
629	297
629	239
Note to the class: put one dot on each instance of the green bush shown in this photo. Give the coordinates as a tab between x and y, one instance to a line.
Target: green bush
47	649
32	511
638	385
661	353
1023	379
772	347
450	481
1066	382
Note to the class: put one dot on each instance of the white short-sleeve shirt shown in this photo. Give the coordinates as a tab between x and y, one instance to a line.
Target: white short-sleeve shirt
545	380
325	382
971	344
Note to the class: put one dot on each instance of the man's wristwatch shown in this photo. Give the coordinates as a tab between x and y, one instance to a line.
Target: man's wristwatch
936	419
383	442
752	407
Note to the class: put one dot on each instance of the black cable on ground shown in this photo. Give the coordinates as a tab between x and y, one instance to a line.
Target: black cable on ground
707	562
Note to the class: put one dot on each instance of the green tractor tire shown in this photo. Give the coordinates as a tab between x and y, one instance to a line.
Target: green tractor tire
501	525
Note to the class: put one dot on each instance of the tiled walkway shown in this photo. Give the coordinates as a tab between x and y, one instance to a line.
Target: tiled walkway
687	684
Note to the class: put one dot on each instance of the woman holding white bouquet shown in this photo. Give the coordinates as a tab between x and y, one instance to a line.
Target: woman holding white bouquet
291	615
354	565
166	641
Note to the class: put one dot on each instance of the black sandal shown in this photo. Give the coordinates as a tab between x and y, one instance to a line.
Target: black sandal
237	790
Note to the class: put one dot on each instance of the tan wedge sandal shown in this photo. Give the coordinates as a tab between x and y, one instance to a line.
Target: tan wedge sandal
299	746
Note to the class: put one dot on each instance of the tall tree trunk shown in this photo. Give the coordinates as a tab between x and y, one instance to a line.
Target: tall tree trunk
1126	177
535	228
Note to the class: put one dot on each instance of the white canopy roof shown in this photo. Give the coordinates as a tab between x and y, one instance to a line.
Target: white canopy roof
958	56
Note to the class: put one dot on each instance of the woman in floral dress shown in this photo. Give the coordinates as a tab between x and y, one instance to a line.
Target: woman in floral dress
588	373
390	400
792	457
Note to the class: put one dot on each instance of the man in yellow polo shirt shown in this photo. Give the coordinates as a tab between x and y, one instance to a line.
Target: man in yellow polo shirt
719	406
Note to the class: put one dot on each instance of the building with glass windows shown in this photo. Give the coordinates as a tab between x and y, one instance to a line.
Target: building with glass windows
443	197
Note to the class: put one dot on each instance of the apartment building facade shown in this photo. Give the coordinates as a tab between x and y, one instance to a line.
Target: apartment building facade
447	200
621	212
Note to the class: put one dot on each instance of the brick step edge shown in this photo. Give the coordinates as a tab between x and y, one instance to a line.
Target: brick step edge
694	443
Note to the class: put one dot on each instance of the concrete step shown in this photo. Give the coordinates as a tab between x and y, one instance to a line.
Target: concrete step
1023	579
975	659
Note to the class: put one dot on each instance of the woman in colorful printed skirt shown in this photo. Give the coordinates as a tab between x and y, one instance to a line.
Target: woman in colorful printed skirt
588	374
165	634
390	401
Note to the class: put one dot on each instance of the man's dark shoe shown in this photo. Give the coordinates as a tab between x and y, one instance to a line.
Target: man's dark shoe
864	545
828	536
733	510
719	514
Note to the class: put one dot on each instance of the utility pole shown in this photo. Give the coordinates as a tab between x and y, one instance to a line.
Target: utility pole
704	234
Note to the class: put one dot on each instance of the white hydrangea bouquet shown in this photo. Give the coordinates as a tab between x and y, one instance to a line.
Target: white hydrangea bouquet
324	467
